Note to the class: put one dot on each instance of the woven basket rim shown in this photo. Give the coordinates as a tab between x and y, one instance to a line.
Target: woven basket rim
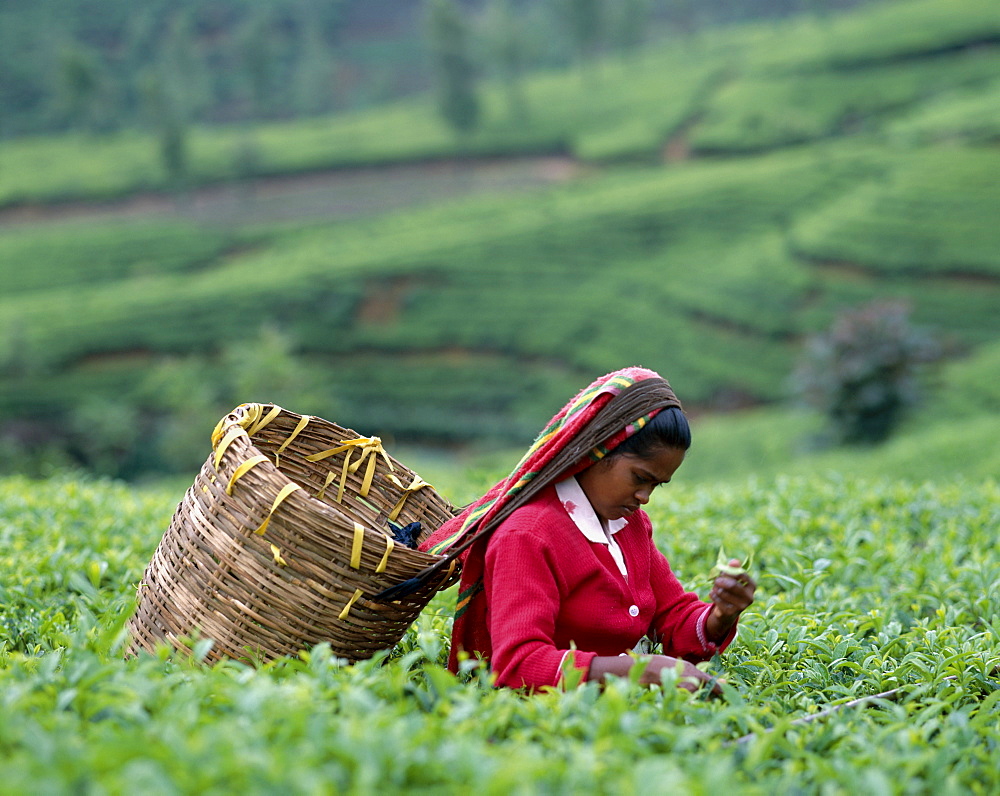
244	412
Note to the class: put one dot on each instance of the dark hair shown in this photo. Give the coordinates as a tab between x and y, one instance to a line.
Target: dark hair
668	429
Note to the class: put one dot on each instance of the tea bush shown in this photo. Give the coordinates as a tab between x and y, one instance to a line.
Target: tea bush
874	35
864	373
927	215
766	109
36	257
865	586
971	116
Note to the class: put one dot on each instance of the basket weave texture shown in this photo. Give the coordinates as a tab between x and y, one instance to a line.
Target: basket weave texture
282	540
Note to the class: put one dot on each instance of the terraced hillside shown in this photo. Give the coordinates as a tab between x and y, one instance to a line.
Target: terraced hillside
808	168
911	71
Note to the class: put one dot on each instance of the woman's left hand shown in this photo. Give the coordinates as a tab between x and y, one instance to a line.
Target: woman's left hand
730	596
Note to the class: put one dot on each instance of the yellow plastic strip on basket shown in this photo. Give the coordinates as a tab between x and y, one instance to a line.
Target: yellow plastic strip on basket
318	457
276	552
343	476
366	444
286	490
330	476
359	538
354	599
227	440
303	422
369	474
418	484
389	544
243	469
263	422
370	447
217	432
251	414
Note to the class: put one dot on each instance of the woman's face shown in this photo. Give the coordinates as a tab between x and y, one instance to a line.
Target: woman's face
618	485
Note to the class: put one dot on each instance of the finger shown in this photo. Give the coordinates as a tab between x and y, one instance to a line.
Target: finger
738	600
696	678
729	606
736	590
725	605
733	595
740	583
709	683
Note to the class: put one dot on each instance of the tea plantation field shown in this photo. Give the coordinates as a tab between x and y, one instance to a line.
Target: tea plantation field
921	67
722	198
473	320
866	587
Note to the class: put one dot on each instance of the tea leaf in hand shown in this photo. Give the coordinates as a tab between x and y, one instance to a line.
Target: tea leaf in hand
723	567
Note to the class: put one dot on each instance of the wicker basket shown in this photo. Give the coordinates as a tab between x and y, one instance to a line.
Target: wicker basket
283	539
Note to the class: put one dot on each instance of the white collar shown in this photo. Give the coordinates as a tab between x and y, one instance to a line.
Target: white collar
579	509
577	505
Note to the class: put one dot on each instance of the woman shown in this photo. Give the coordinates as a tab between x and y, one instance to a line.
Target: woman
559	568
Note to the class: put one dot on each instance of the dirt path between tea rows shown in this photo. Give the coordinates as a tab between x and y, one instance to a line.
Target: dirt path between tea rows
331	194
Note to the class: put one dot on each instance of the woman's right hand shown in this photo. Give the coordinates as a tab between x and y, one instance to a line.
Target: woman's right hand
691	678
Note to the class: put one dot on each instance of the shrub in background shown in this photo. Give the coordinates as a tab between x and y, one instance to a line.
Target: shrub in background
864	373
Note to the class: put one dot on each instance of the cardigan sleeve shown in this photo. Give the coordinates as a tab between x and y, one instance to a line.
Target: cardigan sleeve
680	616
522	591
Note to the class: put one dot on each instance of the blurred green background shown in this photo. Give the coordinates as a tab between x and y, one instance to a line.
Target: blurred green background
435	221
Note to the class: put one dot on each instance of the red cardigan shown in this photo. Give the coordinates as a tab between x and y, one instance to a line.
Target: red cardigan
549	589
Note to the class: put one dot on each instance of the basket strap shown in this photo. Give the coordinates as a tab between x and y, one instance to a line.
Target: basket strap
394	593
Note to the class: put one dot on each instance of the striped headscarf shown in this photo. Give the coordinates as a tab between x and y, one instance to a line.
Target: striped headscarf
591	425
